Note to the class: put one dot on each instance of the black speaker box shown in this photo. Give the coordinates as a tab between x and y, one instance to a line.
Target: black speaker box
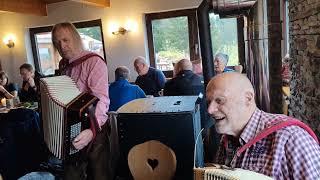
174	121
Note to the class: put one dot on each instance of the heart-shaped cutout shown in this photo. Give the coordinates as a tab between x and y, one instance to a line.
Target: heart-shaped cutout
153	163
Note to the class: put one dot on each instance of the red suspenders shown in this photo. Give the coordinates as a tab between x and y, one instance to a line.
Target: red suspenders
275	127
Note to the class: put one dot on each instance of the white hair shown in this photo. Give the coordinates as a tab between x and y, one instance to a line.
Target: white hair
223	57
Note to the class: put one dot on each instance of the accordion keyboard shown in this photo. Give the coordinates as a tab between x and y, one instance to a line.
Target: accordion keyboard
220	173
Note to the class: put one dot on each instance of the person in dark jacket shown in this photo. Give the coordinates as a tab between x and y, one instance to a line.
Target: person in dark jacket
150	80
185	82
28	91
7	90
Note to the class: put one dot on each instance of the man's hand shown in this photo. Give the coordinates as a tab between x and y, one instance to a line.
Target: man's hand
31	82
83	139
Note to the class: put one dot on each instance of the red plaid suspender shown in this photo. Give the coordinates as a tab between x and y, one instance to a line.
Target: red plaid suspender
266	132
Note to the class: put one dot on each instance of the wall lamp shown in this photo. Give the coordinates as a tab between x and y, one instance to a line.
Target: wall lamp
120	30
9	41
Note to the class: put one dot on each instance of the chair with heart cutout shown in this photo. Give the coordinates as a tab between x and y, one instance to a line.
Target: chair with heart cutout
152	160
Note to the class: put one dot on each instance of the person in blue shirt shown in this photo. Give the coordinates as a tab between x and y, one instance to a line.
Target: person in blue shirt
150	80
121	91
220	63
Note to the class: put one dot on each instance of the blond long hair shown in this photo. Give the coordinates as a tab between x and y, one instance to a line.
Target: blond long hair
69	26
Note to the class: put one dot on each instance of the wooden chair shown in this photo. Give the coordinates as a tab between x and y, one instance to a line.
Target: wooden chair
152	160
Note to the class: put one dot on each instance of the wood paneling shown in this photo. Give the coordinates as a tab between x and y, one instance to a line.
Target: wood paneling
36	7
100	3
52	1
39	7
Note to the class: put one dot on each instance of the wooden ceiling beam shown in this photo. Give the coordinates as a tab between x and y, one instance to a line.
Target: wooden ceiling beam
99	3
35	7
52	1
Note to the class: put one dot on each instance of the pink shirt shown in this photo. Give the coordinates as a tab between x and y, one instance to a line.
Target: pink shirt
92	76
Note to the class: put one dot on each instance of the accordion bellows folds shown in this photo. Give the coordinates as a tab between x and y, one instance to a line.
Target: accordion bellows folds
219	172
65	112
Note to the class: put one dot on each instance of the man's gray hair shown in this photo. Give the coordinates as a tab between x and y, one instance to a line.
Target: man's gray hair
122	72
223	57
141	60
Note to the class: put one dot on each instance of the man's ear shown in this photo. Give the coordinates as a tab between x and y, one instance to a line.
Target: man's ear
249	97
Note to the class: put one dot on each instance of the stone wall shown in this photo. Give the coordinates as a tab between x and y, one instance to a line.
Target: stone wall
304	16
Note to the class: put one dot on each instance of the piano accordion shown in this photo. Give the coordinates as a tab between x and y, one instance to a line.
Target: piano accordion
65	113
221	172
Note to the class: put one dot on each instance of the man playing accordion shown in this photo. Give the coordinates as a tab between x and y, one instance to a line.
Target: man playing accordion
271	144
90	73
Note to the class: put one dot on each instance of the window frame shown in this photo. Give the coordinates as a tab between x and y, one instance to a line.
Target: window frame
284	15
194	46
240	38
83	24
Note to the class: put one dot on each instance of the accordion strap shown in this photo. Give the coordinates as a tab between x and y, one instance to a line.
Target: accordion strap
93	121
64	64
273	128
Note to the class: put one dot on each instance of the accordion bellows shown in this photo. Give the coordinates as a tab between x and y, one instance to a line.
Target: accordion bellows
218	173
64	113
61	89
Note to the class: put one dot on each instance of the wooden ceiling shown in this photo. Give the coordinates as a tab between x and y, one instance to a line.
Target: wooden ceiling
39	7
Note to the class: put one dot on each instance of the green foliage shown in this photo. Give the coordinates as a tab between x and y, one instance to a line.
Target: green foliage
93	32
173	55
171	34
171	38
224	37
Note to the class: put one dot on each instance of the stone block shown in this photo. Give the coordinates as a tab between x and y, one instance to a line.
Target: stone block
314	30
318	42
301	44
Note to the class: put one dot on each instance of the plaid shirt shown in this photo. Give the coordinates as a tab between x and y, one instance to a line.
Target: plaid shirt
289	153
92	76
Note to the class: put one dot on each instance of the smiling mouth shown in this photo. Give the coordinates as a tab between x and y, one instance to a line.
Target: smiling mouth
219	118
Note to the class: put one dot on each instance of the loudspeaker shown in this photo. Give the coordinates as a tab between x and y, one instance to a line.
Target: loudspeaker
174	121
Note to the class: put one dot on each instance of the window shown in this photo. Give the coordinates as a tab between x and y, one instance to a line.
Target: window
285	27
172	36
224	34
46	58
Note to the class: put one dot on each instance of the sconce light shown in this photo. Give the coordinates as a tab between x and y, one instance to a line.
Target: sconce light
121	31
9	41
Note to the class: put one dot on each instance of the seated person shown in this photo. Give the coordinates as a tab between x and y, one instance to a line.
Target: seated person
220	63
197	67
28	91
288	153
185	82
121	91
7	90
150	80
285	71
